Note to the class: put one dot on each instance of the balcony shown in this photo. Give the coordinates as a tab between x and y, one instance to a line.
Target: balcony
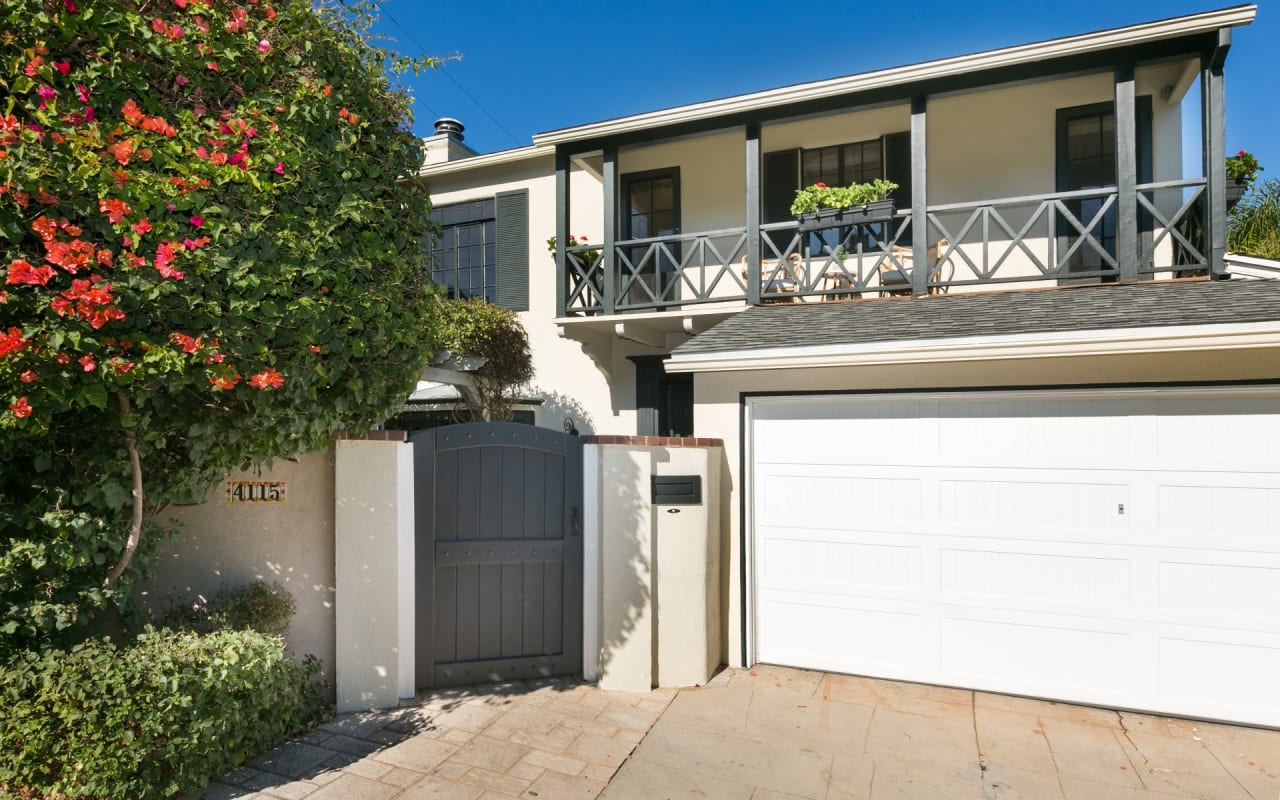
1025	242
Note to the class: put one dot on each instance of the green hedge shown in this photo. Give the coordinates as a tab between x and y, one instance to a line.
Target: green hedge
164	714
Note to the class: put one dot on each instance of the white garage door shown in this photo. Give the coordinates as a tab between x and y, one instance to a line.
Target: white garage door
1116	548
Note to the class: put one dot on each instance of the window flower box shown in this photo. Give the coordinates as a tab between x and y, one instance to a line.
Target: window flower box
820	206
878	211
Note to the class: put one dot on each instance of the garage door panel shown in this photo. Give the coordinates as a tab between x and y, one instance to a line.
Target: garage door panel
997	653
800	632
1035	505
1233	589
1252	509
1080	547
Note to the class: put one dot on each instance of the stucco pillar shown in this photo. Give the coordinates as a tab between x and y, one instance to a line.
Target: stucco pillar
374	572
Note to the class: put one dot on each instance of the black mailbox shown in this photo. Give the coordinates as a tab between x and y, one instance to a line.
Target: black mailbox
677	490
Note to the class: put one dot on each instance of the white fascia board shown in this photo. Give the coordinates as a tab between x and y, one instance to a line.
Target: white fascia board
976	62
1055	344
486	160
1252	266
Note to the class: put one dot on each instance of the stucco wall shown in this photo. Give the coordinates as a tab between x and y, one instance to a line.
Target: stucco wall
227	545
718	397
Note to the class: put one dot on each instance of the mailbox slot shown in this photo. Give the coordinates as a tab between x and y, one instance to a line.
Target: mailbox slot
677	490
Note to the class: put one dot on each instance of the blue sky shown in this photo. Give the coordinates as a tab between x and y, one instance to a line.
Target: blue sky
535	66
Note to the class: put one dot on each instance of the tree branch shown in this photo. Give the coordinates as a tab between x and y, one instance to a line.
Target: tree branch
135	522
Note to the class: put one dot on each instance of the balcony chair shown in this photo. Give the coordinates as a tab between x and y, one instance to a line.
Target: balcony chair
897	282
784	287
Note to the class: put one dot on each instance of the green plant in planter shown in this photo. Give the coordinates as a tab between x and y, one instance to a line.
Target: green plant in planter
586	256
820	196
1243	167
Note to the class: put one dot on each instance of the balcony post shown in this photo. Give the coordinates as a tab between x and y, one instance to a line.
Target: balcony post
1212	116
562	230
920	267
753	212
1126	174
609	253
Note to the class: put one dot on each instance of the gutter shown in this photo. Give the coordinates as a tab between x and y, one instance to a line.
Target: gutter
1053	344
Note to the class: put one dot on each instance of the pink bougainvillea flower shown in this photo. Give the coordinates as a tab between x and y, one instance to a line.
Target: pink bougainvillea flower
164	257
267	379
20	408
46	93
70	6
121	366
279	170
158	25
29	376
212	66
239	22
197	220
180	3
87	362
62	66
82	92
264	46
182	80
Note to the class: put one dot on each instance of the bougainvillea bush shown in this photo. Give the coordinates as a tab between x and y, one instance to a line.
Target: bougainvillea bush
209	258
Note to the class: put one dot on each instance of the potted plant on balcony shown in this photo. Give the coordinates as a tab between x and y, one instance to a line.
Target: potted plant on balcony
822	206
1242	168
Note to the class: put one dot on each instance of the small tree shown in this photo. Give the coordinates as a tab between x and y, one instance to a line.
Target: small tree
208	259
1253	229
479	329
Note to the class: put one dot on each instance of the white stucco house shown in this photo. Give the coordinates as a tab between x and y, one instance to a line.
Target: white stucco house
1022	435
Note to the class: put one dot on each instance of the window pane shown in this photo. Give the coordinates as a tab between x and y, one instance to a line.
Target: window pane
1084	137
663	195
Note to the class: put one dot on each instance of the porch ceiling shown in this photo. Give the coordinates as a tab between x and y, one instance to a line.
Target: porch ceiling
1081	314
1021	56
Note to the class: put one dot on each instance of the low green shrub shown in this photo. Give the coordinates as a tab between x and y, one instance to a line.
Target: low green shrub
163	715
259	606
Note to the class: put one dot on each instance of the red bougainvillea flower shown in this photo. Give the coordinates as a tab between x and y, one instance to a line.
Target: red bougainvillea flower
29	376
189	344
820	185
88	363
141	227
327	90
20	408
62	66
267	379
12	342
224	378
22	272
164	257
315	348
89	300
116	210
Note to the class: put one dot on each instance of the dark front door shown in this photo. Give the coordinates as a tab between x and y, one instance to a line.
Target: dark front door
499	553
650	208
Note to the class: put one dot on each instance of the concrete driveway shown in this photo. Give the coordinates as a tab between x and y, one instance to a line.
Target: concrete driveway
762	734
771	733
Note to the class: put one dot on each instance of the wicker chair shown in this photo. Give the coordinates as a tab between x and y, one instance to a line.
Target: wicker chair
893	281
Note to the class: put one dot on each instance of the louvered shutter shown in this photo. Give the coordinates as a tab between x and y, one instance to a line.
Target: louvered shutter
512	218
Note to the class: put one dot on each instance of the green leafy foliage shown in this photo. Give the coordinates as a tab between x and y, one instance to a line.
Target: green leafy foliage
1253	228
476	328
259	606
209	259
158	717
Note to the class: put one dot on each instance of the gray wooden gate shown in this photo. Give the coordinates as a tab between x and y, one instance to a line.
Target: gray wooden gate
498	536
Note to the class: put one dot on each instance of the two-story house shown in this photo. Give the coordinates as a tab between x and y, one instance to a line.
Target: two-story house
1019	433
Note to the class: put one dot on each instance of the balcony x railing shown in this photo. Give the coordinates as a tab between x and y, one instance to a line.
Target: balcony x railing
1016	242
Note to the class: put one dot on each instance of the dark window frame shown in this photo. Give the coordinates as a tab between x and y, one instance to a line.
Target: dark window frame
453	219
657	394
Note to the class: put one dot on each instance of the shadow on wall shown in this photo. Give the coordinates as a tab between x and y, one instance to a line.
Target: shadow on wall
628	608
557	407
225	542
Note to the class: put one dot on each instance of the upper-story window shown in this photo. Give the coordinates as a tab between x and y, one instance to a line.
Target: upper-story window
464	256
843	164
481	249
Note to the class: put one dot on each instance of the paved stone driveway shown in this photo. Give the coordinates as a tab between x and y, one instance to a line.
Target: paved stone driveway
775	734
549	739
762	734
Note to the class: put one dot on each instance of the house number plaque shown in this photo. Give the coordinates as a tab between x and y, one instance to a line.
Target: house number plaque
255	491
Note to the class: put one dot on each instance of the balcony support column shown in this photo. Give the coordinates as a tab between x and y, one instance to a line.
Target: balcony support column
562	230
753	212
1126	174
1212	120
609	253
920	267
